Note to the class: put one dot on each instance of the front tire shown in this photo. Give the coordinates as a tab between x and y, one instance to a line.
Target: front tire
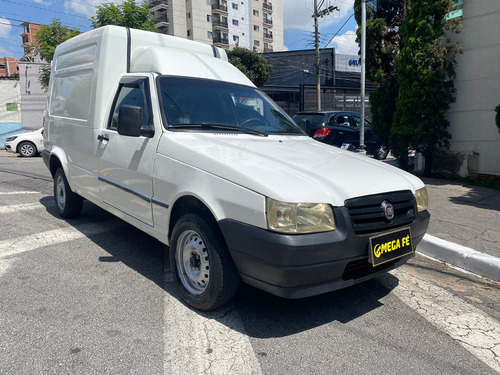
203	270
26	149
381	152
68	204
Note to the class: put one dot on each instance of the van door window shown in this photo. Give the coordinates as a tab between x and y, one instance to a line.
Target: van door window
129	94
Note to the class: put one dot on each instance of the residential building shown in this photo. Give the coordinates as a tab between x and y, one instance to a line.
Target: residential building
28	37
253	24
475	138
9	66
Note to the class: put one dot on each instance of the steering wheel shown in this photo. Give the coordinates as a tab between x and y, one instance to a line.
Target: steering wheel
258	122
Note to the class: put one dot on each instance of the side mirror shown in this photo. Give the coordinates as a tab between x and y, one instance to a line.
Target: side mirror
130	120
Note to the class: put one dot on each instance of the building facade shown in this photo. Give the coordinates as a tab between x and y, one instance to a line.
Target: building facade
9	67
28	39
475	141
252	24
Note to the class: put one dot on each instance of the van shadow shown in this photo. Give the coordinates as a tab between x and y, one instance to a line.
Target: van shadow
263	315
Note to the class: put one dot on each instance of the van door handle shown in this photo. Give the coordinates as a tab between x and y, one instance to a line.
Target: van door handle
104	137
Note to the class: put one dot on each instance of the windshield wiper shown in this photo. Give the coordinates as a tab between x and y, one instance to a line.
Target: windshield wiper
212	125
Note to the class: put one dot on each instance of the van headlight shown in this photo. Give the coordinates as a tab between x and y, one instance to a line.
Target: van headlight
298	218
422	199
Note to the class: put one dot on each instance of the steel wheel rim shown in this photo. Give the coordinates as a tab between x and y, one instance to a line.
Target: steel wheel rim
193	263
26	149
60	193
382	151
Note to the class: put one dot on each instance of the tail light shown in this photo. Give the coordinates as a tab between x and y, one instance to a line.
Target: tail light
321	133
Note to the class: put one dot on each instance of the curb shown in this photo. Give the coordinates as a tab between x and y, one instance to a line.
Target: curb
464	257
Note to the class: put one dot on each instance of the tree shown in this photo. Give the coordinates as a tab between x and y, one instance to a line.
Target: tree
255	67
425	71
48	38
383	44
129	14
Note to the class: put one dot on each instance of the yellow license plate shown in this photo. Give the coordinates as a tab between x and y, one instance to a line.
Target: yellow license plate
389	246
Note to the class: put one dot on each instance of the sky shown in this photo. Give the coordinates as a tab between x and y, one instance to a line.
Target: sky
298	23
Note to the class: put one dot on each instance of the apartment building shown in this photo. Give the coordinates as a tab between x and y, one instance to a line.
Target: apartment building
28	37
253	24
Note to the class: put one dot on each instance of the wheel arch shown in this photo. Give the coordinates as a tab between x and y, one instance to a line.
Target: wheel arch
26	141
57	160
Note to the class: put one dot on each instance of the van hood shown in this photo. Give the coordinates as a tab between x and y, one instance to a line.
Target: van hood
287	168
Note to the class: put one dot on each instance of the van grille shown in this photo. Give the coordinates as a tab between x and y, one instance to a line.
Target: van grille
367	214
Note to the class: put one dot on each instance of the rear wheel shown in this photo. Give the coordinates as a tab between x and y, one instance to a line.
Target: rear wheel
68	204
204	272
26	149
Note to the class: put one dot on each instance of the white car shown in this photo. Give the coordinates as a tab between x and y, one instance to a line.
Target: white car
26	144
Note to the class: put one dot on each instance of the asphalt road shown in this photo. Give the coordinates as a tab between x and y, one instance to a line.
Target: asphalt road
94	295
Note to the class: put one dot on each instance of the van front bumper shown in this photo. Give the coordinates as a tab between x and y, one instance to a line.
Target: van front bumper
296	266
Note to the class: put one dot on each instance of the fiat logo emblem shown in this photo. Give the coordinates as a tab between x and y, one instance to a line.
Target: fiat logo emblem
388	210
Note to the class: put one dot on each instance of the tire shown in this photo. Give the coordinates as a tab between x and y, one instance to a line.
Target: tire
68	204
203	270
381	152
26	149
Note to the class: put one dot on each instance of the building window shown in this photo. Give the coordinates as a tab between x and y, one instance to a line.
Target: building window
235	6
189	15
256	43
210	35
236	38
255	12
235	22
255	28
209	18
189	32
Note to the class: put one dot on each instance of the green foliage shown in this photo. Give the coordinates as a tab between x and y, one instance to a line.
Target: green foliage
255	67
129	14
382	50
425	71
497	116
48	38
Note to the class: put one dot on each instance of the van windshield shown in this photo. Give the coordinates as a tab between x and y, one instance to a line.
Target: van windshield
206	104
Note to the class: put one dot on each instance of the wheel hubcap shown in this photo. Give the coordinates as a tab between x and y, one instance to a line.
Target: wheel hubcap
193	263
26	149
60	195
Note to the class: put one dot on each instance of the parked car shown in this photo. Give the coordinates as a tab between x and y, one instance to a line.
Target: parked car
26	144
340	128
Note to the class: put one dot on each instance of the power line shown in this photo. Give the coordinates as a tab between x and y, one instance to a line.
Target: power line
46	9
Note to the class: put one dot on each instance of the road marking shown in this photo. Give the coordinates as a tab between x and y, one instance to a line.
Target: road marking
20	207
204	343
18	192
18	245
476	331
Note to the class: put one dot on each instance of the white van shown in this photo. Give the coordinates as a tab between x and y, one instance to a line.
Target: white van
167	135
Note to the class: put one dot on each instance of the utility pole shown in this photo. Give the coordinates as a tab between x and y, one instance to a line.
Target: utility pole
361	149
317	14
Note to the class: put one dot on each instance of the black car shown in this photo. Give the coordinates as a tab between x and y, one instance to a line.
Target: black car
339	128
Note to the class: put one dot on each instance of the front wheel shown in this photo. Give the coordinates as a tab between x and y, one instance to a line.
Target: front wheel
68	204
204	272
26	149
381	152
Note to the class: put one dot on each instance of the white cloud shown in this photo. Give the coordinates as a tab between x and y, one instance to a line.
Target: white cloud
5	27
345	44
5	51
87	8
298	13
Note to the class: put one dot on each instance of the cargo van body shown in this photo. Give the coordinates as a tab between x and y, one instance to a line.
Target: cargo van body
167	135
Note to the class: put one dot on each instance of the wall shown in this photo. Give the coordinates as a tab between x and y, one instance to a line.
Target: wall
10	109
475	143
34	97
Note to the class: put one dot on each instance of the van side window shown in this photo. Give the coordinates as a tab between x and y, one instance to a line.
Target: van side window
129	95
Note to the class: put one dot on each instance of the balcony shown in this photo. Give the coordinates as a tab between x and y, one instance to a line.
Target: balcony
268	36
268	7
268	22
223	41
218	9
217	24
158	6
268	49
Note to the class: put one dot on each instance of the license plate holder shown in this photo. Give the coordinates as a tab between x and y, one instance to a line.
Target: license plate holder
389	246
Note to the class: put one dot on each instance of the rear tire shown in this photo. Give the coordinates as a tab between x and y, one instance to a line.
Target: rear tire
203	270
26	149
68	204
